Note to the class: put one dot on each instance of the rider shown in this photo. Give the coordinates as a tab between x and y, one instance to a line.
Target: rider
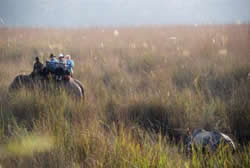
37	67
69	64
51	64
60	67
61	59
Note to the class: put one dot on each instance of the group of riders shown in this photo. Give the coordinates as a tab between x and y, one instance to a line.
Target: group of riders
57	68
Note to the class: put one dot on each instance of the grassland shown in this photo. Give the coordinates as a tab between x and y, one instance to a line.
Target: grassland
145	86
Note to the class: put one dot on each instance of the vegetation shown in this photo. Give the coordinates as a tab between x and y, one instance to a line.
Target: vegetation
144	87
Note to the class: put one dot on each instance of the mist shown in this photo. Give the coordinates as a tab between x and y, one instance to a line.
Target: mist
79	13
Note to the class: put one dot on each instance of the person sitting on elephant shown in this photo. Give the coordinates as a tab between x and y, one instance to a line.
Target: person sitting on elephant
61	61
60	67
70	64
51	64
37	67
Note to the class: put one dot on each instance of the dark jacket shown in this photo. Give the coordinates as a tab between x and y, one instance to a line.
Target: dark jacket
38	67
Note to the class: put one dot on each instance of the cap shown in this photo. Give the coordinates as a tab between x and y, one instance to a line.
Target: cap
61	55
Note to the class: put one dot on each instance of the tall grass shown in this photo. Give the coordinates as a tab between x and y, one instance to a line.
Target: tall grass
139	102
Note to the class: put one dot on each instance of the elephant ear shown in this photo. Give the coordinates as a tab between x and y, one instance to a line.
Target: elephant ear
74	88
80	85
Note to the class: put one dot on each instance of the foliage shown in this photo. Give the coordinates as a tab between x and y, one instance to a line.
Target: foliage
139	103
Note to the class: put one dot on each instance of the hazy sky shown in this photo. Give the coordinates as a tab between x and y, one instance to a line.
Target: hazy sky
61	13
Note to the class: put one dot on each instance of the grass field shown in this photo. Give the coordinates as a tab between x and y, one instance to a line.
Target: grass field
144	87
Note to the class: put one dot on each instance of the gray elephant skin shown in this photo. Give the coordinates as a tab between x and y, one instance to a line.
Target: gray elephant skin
208	141
73	86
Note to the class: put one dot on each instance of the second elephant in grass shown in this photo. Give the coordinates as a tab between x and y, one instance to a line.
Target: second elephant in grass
208	141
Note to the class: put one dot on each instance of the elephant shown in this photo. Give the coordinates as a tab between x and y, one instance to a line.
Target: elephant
71	85
207	141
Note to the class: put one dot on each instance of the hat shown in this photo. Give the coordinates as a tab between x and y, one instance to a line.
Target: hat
61	55
52	55
68	56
